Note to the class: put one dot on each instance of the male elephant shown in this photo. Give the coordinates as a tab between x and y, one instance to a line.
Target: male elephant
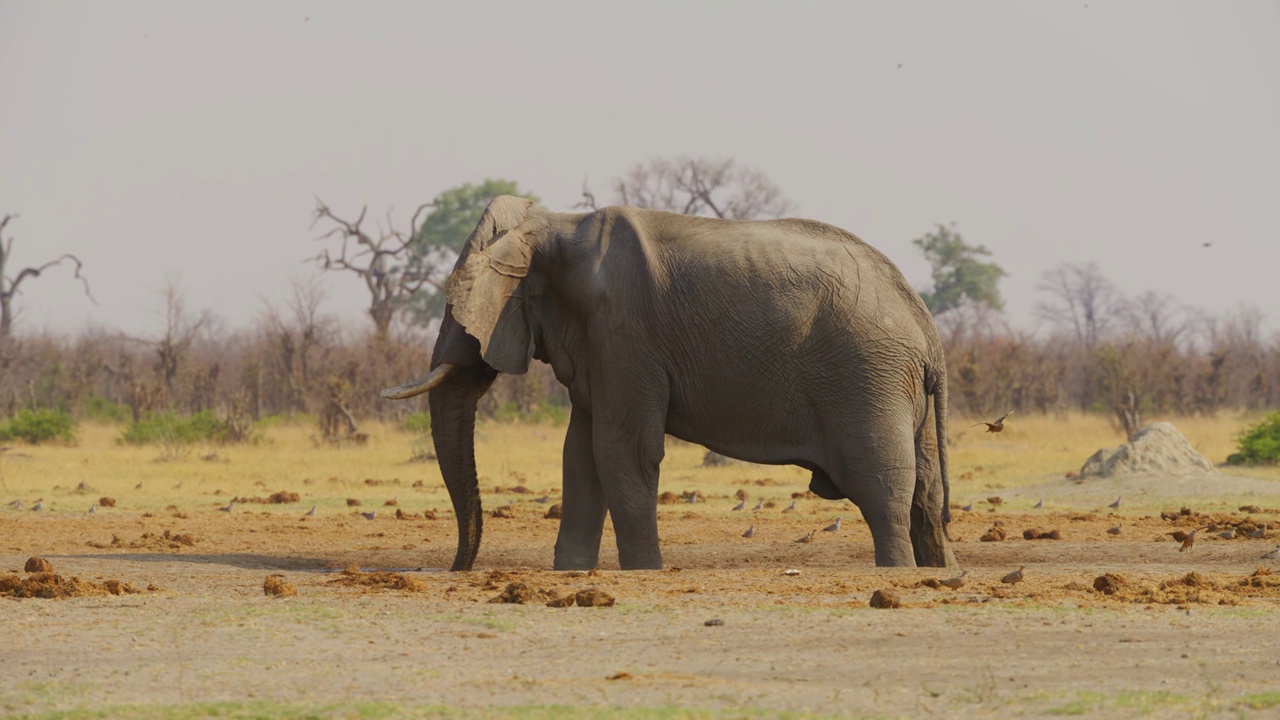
785	342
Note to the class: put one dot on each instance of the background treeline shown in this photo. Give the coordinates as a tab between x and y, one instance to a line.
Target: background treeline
1095	349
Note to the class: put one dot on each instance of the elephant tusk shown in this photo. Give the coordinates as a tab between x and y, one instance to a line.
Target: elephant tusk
419	386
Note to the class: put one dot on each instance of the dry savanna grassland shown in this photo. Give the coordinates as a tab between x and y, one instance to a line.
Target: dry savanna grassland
158	604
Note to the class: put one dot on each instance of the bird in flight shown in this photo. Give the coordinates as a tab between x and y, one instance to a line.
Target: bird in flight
994	427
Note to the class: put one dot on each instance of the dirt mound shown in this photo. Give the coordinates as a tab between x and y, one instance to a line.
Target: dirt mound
277	586
38	564
353	577
1156	448
50	585
277	498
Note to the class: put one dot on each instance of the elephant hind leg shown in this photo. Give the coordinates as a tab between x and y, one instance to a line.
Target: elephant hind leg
879	477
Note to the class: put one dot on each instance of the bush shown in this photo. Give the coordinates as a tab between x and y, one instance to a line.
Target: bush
1260	444
547	412
419	422
100	409
37	426
169	427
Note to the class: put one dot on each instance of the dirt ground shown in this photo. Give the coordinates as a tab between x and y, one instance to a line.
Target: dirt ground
172	615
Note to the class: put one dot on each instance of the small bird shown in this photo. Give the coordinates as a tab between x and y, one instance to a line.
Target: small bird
543	500
969	507
1228	534
369	515
807	538
1014	577
1039	504
833	527
93	509
1189	541
740	506
791	507
693	496
1208	244
994	427
16	504
759	505
229	506
1258	533
311	512
1115	505
1115	530
1273	555
138	486
750	533
38	506
1178	535
179	485
955	583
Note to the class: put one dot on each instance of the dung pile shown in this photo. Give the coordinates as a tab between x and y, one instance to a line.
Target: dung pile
1156	448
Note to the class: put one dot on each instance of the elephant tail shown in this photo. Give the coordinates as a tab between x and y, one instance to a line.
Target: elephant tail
939	392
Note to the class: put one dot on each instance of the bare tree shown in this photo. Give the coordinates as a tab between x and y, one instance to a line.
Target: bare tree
379	262
174	343
1157	317
716	187
1081	300
297	332
9	285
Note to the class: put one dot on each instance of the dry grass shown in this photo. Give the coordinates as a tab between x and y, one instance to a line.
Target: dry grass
1032	449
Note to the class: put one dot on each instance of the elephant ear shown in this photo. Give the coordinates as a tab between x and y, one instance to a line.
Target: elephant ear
488	300
501	214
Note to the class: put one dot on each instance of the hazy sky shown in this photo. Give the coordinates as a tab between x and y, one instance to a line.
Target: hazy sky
189	139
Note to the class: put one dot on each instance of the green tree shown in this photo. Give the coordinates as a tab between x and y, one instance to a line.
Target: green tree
434	249
959	273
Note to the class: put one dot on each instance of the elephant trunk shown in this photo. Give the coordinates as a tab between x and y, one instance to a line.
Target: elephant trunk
453	425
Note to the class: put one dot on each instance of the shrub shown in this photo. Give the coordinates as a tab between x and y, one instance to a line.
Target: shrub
37	426
100	409
1260	444
419	422
169	427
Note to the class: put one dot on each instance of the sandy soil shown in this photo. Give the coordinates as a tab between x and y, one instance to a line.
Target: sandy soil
1206	644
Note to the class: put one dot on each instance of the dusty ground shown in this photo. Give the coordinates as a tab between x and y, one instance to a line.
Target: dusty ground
206	639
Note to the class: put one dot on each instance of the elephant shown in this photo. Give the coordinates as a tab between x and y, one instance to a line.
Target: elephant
784	342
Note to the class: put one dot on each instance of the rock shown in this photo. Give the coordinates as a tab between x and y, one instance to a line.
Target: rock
1156	448
885	599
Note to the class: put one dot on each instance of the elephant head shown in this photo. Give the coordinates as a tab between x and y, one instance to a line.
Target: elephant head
485	330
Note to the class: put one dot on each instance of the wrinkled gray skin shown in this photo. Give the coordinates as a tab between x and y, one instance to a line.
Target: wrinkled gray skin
779	342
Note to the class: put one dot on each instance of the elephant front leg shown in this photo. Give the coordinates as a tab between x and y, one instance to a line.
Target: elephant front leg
628	465
583	507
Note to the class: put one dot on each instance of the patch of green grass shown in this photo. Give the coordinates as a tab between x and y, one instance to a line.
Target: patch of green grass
1261	701
378	710
1138	702
40	426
